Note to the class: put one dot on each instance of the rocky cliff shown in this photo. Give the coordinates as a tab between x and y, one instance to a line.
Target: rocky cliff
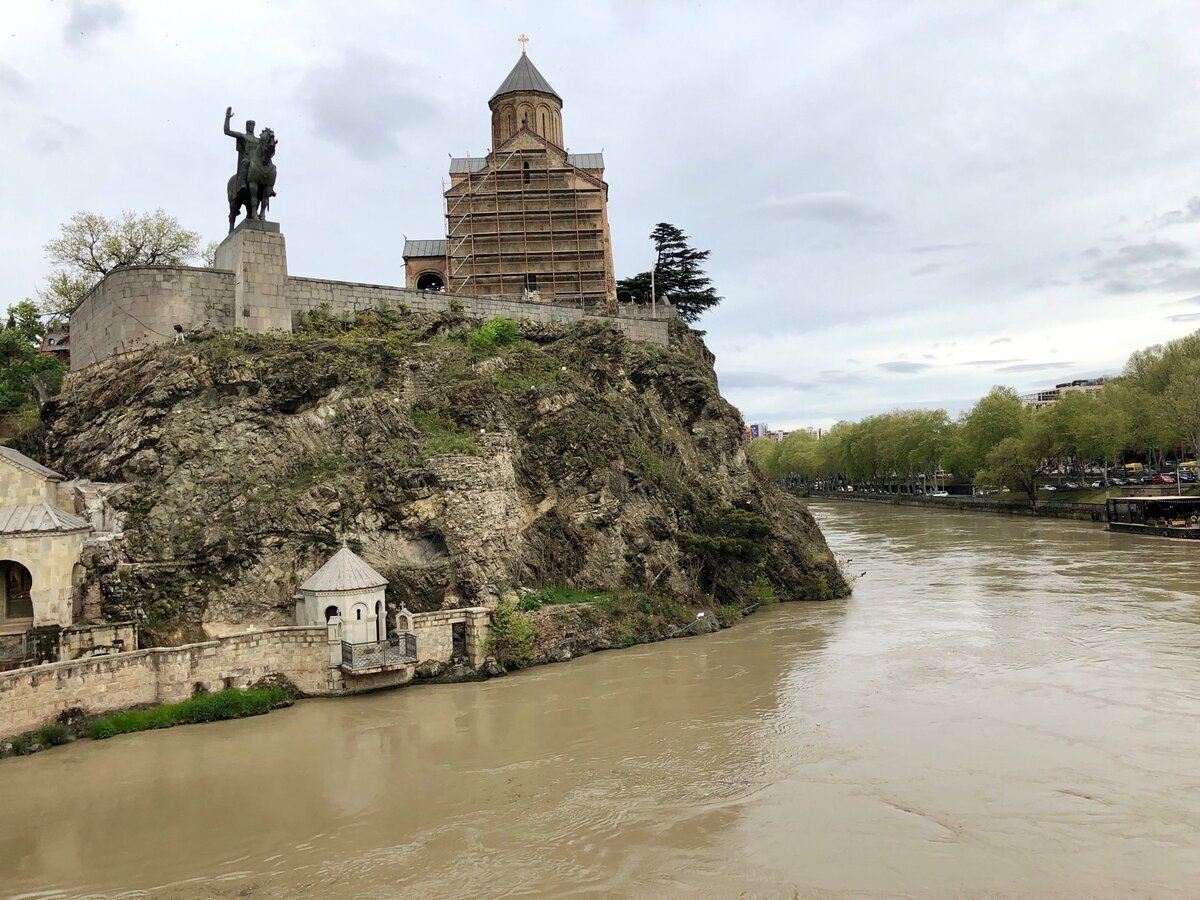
461	461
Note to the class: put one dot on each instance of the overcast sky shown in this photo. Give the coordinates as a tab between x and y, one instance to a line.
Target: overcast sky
905	203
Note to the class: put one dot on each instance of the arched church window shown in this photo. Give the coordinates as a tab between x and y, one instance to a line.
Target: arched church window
430	281
525	169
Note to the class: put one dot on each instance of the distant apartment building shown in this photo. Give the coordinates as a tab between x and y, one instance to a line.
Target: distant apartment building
1050	396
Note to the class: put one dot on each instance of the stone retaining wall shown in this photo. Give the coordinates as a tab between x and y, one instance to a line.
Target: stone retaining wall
435	634
1084	512
134	308
32	697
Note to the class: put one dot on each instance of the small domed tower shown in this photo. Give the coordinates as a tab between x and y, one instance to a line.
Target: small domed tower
525	99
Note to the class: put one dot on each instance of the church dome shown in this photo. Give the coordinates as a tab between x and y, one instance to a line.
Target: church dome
525	99
523	78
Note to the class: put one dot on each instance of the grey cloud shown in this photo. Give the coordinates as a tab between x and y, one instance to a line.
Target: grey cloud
904	367
1035	367
928	356
362	101
12	80
88	19
735	380
1001	340
53	136
1184	317
927	269
830	207
838	376
1189	213
1143	254
1153	265
938	248
1163	278
990	362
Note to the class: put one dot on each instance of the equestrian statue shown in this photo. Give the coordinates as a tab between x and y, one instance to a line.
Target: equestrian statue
252	186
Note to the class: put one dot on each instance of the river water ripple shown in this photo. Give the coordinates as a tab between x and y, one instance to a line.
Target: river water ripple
1004	708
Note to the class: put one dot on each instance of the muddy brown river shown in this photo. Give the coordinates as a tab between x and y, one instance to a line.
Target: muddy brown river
1004	708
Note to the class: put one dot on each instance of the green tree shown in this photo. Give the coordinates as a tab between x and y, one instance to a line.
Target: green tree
678	275
764	452
1014	463
798	455
91	245
997	415
26	319
27	378
729	547
1181	398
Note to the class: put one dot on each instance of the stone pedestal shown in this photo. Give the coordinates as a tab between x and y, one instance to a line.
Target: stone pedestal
256	255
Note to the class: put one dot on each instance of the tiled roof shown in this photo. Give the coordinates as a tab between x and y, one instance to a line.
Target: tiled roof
20	459
424	248
344	572
461	165
525	77
586	160
40	518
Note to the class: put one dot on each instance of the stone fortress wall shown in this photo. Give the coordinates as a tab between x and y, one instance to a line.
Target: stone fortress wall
35	696
134	308
307	655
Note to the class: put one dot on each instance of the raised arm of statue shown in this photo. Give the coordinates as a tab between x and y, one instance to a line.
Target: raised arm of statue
229	131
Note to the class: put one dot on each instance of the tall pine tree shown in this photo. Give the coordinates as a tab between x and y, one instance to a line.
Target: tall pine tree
678	275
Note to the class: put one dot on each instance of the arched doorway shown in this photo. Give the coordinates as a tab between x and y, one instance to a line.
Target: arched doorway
16	593
331	612
430	281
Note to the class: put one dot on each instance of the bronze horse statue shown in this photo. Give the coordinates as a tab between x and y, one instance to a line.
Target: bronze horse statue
255	189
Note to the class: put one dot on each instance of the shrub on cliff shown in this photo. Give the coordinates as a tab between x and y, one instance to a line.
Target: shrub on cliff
729	547
497	332
511	637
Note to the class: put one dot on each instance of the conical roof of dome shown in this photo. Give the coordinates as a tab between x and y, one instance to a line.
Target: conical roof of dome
525	77
346	571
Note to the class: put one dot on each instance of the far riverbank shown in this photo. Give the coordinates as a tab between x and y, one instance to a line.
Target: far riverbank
1081	512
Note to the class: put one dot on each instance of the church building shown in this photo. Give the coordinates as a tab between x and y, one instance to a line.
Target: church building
528	221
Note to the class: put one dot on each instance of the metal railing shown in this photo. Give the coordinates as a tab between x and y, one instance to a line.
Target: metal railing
400	650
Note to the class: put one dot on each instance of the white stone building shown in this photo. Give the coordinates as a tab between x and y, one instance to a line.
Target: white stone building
349	589
40	547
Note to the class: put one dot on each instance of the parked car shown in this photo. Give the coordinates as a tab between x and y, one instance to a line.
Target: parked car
939	493
1119	482
1097	484
1164	479
1048	487
1071	486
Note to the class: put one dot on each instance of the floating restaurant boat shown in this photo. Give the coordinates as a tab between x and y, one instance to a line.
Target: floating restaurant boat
1163	516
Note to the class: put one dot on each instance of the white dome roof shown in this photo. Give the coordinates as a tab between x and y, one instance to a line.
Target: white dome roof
344	572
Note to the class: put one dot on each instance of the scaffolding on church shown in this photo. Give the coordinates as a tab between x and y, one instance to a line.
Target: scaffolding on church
503	238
